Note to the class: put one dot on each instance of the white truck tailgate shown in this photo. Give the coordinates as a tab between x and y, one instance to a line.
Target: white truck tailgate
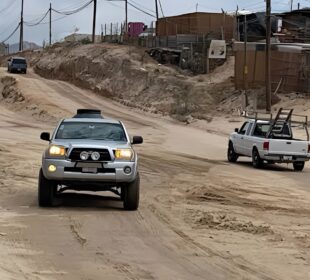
288	147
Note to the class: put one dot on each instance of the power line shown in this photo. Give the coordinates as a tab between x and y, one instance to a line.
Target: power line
142	7
8	6
73	6
141	10
38	22
9	37
161	8
5	29
68	13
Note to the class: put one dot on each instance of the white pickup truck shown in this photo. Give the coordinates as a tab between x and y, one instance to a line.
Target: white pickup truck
270	141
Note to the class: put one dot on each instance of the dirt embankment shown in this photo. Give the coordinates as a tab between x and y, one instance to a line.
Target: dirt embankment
128	75
15	100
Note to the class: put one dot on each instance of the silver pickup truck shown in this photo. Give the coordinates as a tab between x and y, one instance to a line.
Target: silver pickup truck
89	153
271	140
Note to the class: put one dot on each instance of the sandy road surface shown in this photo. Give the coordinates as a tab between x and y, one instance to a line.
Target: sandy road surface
200	217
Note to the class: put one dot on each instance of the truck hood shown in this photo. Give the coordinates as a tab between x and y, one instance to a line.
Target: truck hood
84	143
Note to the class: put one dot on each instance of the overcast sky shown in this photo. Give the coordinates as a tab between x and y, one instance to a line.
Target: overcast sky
109	12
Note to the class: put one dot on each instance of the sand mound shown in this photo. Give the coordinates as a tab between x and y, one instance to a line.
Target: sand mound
13	98
128	75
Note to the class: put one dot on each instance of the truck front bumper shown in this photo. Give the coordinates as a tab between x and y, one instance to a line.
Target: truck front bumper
113	172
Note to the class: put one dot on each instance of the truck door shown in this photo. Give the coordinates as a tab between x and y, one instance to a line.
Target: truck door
238	143
247	141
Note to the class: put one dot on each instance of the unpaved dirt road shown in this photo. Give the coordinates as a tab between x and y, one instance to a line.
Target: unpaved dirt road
200	217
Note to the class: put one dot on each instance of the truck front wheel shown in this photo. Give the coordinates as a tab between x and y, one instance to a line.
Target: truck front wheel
256	159
46	191
131	194
232	156
299	165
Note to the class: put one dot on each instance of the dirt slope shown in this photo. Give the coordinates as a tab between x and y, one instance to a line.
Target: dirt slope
128	75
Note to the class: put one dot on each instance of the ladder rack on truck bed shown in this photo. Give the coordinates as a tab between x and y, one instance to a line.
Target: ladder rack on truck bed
284	118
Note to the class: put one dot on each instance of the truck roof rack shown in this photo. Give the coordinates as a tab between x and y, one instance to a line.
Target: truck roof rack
283	115
282	118
88	113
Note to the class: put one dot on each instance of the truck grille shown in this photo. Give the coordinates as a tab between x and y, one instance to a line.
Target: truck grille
104	154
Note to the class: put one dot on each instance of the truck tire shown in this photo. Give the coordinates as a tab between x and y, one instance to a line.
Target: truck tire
46	191
299	165
232	156
256	160
132	194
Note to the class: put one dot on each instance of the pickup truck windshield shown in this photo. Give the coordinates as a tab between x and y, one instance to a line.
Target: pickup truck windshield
91	131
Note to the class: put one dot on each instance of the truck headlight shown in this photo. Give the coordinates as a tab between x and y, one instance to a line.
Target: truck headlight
123	154
55	150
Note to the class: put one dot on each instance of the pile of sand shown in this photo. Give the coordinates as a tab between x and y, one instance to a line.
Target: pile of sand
128	75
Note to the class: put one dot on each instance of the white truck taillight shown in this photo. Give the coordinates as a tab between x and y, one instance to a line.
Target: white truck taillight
266	146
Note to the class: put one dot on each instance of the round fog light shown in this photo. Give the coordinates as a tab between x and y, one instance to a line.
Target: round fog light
127	170
95	156
52	168
84	155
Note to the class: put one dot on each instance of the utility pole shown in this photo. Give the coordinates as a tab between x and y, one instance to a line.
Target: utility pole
292	5
126	17
245	68
298	6
21	28
268	56
197	8
94	21
50	35
157	18
156	7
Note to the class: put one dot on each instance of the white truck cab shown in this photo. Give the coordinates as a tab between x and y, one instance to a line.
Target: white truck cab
271	140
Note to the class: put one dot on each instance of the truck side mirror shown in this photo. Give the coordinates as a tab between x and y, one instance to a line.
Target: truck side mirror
45	136
237	130
137	140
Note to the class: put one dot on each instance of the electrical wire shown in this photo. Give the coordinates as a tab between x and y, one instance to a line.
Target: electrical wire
142	7
5	28
161	8
38	22
6	39
68	13
73	6
8	6
57	19
141	10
